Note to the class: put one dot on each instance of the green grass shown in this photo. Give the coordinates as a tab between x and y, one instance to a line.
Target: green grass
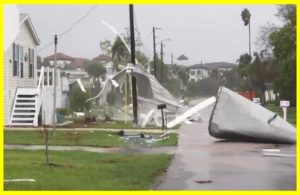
81	138
79	123
291	112
171	141
82	170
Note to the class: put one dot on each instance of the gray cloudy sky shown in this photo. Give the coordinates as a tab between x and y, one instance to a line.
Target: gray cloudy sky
202	32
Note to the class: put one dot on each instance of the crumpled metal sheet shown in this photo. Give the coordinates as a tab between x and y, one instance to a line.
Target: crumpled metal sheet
237	118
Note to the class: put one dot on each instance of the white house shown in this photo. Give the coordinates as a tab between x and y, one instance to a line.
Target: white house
200	71
21	92
62	90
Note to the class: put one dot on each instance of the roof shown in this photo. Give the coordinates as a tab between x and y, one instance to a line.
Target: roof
102	57
182	57
24	18
214	65
78	62
59	56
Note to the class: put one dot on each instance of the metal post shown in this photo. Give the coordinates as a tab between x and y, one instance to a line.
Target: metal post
163	121
154	53
162	62
249	39
54	84
133	79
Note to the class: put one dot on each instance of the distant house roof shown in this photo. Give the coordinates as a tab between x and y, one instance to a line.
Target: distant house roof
214	65
59	56
24	18
102	57
182	57
78	63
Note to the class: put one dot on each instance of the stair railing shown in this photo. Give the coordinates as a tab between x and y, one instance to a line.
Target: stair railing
39	96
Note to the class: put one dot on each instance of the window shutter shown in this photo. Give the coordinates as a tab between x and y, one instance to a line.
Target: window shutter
14	50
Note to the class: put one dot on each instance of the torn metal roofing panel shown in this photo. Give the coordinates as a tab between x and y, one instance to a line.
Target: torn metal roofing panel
237	118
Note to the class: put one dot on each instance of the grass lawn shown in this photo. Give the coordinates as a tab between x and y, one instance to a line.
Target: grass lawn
171	141
81	138
291	112
79	123
82	170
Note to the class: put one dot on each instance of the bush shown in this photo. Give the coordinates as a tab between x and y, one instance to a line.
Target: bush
62	111
77	100
111	98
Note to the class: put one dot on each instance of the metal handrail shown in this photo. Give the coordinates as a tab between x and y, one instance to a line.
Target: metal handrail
38	96
41	81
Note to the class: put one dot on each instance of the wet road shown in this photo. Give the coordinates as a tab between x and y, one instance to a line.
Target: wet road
229	165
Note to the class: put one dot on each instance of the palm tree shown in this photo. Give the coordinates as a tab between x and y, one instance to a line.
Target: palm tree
120	53
246	18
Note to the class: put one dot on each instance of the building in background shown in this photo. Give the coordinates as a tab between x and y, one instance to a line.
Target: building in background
201	71
21	92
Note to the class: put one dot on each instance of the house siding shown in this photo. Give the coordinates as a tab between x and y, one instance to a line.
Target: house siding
11	83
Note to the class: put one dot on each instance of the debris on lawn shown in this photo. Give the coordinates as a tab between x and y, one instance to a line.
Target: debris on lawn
203	181
19	180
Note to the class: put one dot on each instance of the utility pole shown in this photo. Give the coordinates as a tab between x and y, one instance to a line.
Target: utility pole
133	79
154	53
54	83
154	50
249	39
172	57
162	62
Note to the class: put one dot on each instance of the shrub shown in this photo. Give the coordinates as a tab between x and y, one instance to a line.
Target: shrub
111	98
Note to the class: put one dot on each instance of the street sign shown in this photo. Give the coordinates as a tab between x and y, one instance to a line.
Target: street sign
256	100
284	103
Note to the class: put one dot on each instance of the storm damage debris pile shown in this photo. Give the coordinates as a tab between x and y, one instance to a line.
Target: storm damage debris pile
237	118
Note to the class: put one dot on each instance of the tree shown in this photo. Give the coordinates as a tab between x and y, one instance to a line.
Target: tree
106	47
120	53
95	71
78	98
246	19
283	41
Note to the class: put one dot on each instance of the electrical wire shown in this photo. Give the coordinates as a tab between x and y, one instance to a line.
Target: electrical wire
70	28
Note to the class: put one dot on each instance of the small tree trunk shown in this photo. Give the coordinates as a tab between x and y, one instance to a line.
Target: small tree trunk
46	137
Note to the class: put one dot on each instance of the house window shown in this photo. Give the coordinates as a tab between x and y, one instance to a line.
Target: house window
31	63
21	60
50	78
15	59
198	72
192	72
45	79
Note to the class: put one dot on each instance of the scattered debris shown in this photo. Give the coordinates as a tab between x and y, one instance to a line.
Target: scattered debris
278	154
270	150
19	180
203	181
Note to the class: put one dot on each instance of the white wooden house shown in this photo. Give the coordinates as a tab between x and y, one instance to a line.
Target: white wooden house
22	89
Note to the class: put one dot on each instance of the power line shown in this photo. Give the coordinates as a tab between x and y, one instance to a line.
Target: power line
71	27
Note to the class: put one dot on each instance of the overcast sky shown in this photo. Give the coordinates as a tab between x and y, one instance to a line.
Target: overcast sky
209	33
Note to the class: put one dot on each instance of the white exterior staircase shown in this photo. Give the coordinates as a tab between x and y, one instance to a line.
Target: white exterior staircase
27	104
